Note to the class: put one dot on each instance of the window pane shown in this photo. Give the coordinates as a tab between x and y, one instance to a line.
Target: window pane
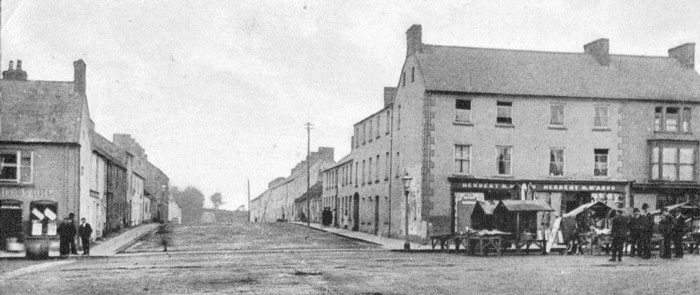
655	171
463	104
685	173
686	156
557	114
8	173
658	116
686	120
9	158
669	172
669	155
671	119
504	160
463	115
601	116
655	155
504	112
556	165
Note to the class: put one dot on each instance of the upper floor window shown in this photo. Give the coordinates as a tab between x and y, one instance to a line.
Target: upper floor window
369	171
379	123
504	113
601	162
413	74
557	114
556	162
463	110
398	119
364	133
370	133
462	158
16	166
601	117
388	122
357	136
672	119
673	161
403	79
503	159
376	169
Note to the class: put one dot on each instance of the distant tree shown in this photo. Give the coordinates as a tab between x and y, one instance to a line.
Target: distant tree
216	200
189	199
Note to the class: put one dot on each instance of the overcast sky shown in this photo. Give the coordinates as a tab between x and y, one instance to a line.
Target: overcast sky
218	91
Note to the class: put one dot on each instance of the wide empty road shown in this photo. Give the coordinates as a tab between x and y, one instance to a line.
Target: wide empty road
291	259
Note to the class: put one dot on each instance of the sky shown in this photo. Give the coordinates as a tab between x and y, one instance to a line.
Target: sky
218	92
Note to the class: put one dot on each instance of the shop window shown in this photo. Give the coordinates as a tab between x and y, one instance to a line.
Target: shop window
557	115
463	110
673	161
462	158
556	162
601	117
601	162
504	112
16	166
504	160
672	119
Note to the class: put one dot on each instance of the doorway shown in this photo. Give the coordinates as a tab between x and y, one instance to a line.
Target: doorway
376	215
356	212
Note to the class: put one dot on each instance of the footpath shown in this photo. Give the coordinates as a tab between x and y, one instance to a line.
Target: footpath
386	243
114	245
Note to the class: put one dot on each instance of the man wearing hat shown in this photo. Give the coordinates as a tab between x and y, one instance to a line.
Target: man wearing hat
646	230
666	228
677	232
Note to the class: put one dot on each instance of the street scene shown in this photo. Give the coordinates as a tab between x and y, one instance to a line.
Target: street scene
325	147
247	258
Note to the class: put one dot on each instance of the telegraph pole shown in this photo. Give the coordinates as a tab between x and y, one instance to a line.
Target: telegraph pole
308	171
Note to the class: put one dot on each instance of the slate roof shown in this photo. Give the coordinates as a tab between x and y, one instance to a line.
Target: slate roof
40	111
108	149
315	191
516	72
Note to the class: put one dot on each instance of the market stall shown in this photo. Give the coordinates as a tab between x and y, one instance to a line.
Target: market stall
592	220
519	217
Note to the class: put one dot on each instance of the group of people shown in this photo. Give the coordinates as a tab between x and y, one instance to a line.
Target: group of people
638	230
67	231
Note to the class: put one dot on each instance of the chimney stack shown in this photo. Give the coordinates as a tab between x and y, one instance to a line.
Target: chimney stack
14	74
600	49
414	40
389	95
79	76
685	54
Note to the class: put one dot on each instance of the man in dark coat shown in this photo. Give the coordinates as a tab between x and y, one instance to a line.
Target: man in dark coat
635	233
64	235
85	231
646	226
666	228
73	249
618	231
677	232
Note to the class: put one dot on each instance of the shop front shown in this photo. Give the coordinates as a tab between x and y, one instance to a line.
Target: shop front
466	192
564	196
659	195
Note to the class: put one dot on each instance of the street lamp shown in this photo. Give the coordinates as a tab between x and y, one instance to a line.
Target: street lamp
406	180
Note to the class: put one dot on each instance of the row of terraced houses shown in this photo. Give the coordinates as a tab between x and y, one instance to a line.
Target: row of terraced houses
54	163
475	124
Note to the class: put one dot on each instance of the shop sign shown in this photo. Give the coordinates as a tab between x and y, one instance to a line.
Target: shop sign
484	185
27	193
469	197
580	187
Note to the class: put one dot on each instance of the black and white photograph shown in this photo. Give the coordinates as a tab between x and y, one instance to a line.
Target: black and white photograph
349	147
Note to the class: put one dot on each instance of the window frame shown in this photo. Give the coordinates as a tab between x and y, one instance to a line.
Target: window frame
19	166
563	162
597	164
508	148
552	123
683	117
505	105
657	161
460	110
461	160
605	122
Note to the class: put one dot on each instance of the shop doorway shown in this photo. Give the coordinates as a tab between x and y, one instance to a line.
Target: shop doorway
10	222
376	215
356	212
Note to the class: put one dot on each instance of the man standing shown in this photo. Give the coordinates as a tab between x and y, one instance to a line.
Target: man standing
84	231
635	233
678	232
64	235
647	230
666	228
618	231
73	249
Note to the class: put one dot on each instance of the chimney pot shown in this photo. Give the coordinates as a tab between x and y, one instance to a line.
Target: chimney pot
414	40
600	49
685	54
79	76
12	66
19	64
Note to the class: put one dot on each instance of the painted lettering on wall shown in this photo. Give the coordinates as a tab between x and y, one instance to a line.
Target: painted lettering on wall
483	185
579	188
25	193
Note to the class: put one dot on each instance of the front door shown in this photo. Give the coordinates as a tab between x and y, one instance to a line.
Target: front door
356	212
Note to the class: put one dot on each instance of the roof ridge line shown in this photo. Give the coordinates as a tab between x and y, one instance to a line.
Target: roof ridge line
542	51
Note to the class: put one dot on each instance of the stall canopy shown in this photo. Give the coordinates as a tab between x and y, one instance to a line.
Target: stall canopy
599	209
688	209
482	215
518	216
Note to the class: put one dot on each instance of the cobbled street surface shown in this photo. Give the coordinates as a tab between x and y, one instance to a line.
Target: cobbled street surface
284	258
